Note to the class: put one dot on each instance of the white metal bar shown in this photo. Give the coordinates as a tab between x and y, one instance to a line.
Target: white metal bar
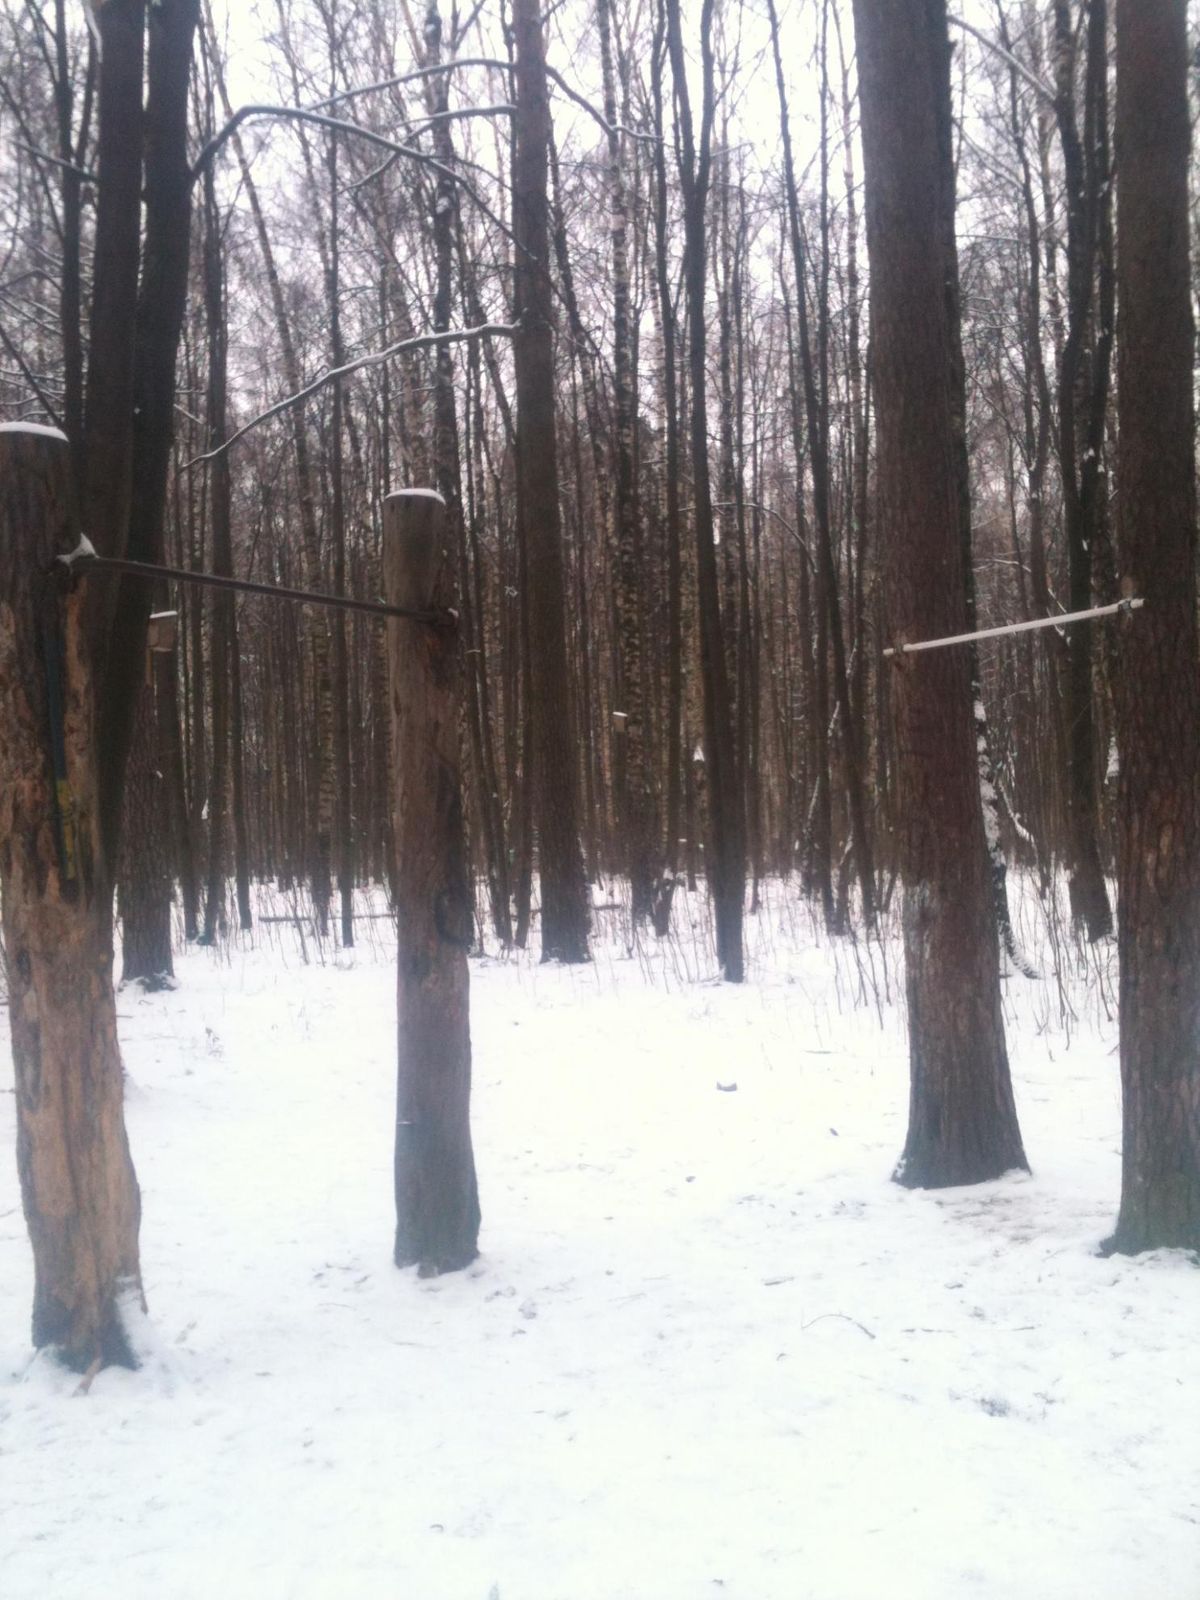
1065	620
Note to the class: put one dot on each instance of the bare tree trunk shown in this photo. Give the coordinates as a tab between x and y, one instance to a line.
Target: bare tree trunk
78	1187
109	404
237	780
1158	700
223	640
171	744
437	1198
321	867
171	27
446	224
962	1120
1085	182
673	741
564	899
343	807
985	765
144	887
70	152
817	410
726	865
640	832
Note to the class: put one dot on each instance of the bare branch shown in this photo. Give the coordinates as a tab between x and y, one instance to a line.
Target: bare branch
336	125
413	77
31	379
597	116
294	114
55	161
421	342
1018	66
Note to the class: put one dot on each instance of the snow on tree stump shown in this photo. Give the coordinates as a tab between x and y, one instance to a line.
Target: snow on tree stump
437	1199
78	1187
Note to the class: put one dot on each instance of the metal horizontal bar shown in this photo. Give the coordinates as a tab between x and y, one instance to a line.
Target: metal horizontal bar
1064	621
85	563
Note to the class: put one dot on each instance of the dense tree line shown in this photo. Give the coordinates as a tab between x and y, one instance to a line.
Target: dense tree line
599	280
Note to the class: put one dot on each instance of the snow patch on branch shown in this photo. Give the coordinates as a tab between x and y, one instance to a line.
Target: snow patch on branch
417	494
40	430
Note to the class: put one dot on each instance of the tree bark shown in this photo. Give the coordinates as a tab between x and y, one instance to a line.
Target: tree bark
437	1198
160	306
565	914
78	1186
962	1120
1158	685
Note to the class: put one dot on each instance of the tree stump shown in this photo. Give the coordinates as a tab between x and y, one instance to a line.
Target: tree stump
78	1187
437	1199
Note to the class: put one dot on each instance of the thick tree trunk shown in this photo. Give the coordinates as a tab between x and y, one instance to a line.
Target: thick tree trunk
171	26
108	419
564	898
437	1199
962	1120
78	1186
1158	700
985	764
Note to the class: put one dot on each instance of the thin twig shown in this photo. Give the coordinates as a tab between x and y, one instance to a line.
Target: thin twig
804	1326
55	161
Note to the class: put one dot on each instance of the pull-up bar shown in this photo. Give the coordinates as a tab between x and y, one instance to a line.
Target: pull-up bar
1068	617
84	560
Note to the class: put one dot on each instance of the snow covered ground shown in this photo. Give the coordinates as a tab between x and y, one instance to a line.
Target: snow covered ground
709	1349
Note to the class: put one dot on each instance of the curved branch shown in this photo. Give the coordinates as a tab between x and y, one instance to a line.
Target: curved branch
337	125
421	342
597	116
413	77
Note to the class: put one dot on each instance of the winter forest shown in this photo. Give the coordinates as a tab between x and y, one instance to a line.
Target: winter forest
599	799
